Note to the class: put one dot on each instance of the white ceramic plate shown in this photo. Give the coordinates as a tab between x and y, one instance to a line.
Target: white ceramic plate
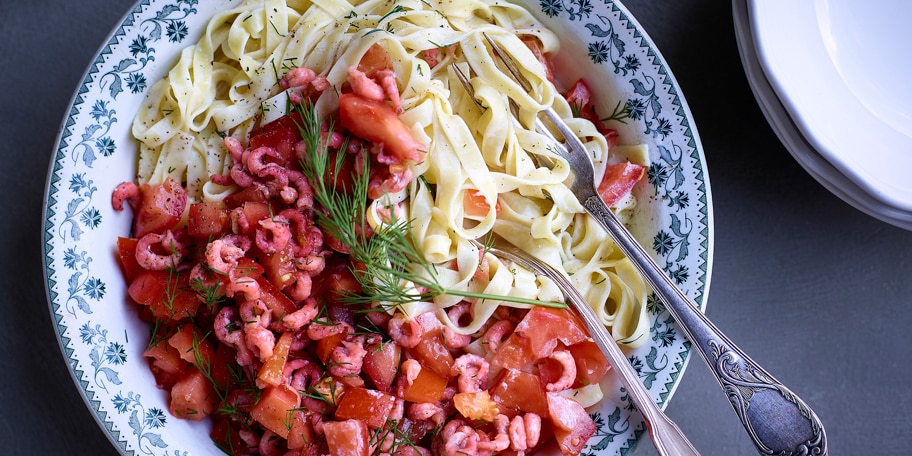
839	69
101	338
790	136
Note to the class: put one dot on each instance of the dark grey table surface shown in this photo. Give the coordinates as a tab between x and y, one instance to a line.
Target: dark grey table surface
815	290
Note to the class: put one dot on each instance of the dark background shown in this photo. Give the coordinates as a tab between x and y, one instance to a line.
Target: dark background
816	291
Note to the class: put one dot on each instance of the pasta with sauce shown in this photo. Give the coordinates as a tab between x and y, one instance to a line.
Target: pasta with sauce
476	172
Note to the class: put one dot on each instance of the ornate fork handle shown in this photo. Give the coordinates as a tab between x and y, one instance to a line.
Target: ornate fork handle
776	419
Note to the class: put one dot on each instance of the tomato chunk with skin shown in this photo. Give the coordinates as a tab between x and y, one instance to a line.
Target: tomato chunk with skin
275	300
166	364
428	386
207	220
301	434
571	424
618	181
193	396
193	347
126	250
271	371
274	409
516	391
370	406
433	354
161	208
381	364
375	59
167	293
476	205
591	364
225	434
515	353
476	405
280	138
545	327
347	438
378	123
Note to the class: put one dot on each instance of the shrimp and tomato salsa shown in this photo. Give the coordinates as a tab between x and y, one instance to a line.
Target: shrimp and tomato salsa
249	328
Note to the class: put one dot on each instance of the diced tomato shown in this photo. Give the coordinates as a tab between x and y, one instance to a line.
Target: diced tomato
514	353
375	59
347	438
415	431
168	294
280	138
516	391
271	371
254	194
161	208
619	180
274	409
534	45
571	424
611	136
279	267
476	205
193	347
370	406
427	387
126	249
274	299
591	364
226	436
476	405
431	56
433	354
165	363
254	213
549	370
326	345
193	396
207	220
301	434
337	280
579	98
545	326
378	123
381	364
247	267
221	370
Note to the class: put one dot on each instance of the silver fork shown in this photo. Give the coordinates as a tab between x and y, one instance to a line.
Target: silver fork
666	436
777	421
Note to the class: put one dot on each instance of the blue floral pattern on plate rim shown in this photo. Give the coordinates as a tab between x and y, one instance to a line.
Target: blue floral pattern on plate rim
102	341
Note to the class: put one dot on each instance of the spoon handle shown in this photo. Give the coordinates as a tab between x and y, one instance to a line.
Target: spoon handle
776	419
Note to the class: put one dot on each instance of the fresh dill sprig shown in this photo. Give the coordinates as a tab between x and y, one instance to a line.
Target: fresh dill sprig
621	112
388	264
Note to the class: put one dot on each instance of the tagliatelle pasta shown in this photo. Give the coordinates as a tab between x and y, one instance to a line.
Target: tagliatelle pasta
232	238
221	85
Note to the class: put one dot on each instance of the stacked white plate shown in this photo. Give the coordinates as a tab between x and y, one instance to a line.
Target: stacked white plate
832	79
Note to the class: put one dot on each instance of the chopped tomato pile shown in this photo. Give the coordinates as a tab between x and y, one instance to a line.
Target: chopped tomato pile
250	329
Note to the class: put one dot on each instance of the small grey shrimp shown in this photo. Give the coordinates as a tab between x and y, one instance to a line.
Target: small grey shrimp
502	439
125	191
156	262
569	371
405	331
472	371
